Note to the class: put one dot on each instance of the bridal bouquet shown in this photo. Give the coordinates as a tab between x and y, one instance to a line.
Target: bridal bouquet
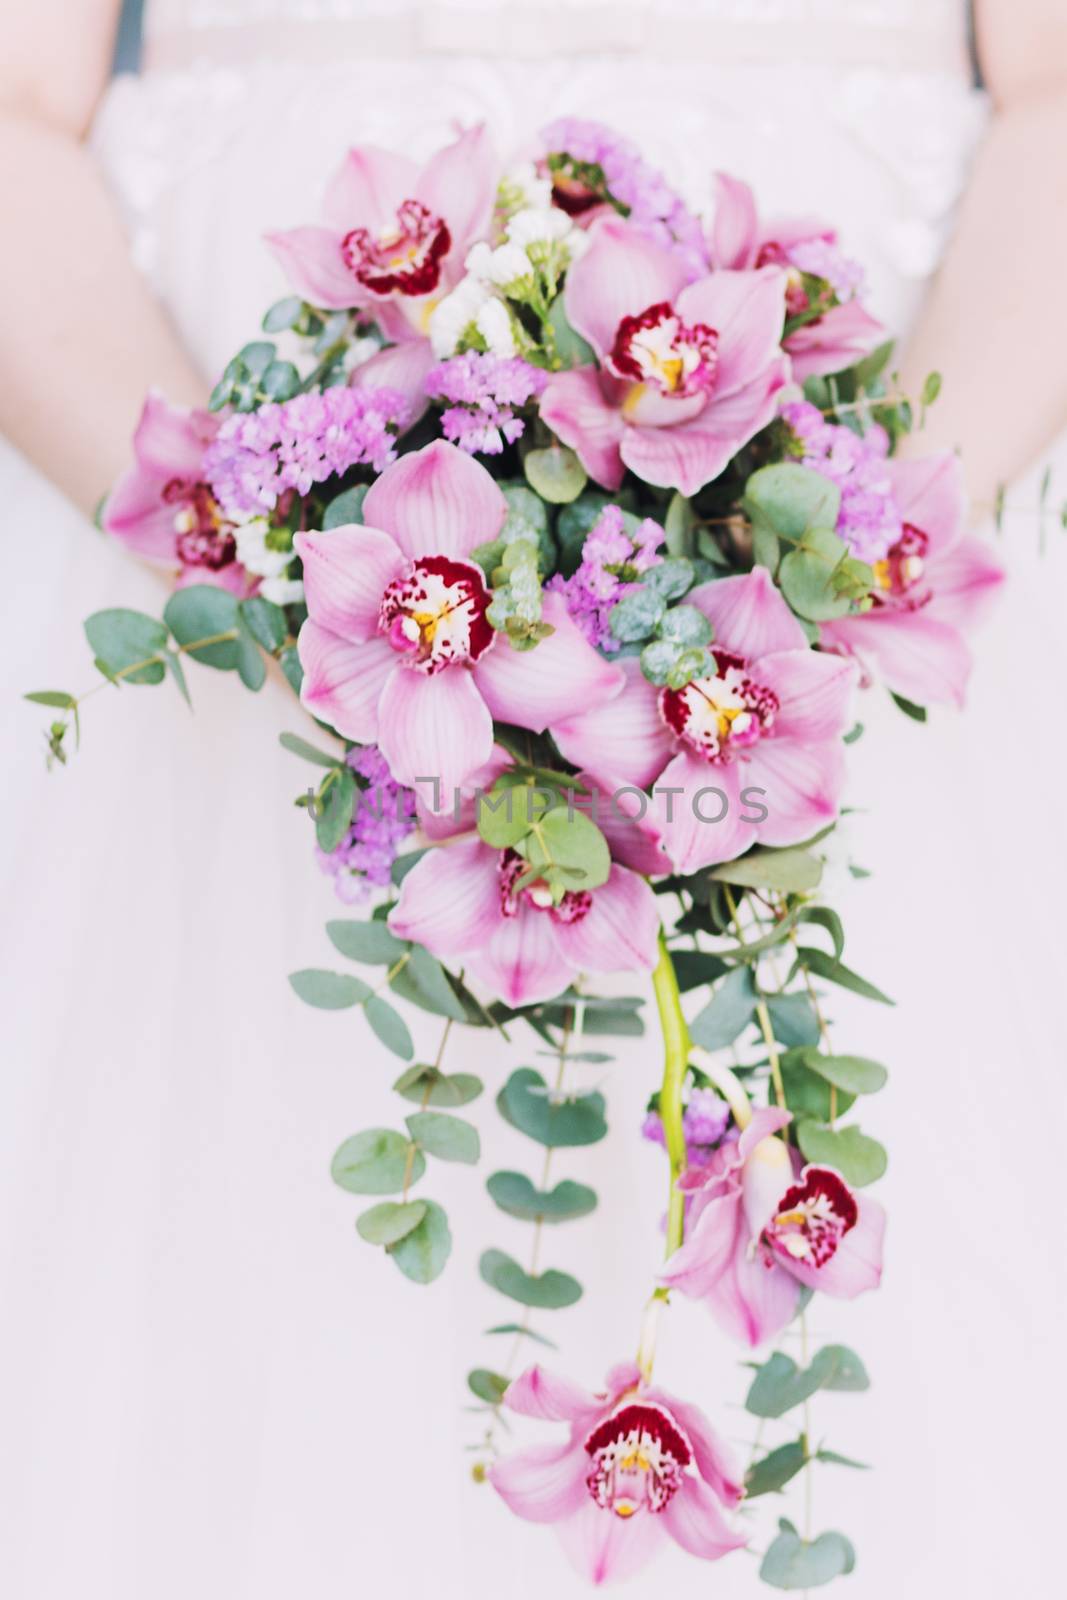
576	525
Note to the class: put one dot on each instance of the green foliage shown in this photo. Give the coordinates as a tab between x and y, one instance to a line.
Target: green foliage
203	611
859	1159
336	802
793	1019
909	708
855	1074
527	1103
121	640
727	1013
821	965
376	1161
390	1027
308	752
515	1194
555	474
421	1254
779	1384
328	991
265	622
564	847
390	1221
447	1138
550	1291
345	509
367	942
486	1385
793	1563
793	870
806	1093
771	1473
423	981
571	348
428	1085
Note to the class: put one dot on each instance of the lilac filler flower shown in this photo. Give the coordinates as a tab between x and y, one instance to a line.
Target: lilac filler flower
257	455
704	1123
483	392
612	560
869	520
384	816
639	190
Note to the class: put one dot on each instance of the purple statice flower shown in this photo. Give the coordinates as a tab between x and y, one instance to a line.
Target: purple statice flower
483	391
821	258
704	1122
257	455
611	562
650	202
869	521
383	818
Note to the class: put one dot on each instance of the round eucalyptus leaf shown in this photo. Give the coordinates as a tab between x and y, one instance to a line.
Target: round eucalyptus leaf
556	474
421	1255
376	1161
386	1223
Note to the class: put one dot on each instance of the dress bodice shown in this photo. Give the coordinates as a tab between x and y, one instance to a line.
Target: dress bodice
862	111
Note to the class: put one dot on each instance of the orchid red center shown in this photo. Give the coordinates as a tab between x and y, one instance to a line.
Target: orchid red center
657	348
435	615
537	894
203	537
720	715
898	576
404	259
811	1219
638	1458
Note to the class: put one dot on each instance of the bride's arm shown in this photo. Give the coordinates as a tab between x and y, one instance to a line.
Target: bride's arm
996	323
81	337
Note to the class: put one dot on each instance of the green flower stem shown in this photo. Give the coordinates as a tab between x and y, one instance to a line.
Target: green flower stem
675	1062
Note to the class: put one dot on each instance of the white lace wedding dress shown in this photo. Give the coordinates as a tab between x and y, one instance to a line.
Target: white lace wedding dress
208	1385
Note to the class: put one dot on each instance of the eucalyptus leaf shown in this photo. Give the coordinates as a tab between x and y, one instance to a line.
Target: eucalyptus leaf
309	752
550	1291
119	639
779	1384
421	1254
572	349
424	983
329	991
203	611
793	1563
346	509
368	942
514	1193
793	870
859	1159
789	500
556	474
793	1019
336	804
447	1138
425	1084
488	1386
266	622
822	965
386	1223
806	576
856	1074
727	1013
556	1123
390	1027
520	1329
771	1473
376	1161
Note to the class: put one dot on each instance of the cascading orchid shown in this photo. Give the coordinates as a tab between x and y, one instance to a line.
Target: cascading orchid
562	731
933	583
827	327
638	1466
688	371
749	751
761	1228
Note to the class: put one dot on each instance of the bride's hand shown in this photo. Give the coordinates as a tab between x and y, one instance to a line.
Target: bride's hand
81	337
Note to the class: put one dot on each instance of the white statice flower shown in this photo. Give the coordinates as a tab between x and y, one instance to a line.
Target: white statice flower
282	591
454	315
255	554
508	267
522	188
540	225
496	328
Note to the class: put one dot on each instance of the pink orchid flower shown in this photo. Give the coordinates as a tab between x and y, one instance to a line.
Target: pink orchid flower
462	902
828	342
162	508
761	1227
688	372
395	236
934	582
638	1466
762	733
397	649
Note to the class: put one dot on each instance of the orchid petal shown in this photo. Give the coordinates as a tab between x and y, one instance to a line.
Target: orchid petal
912	652
704	820
459	184
856	1264
346	572
619	931
436	501
802	786
450	900
747	310
694	1519
814	692
367	189
543	1483
343	682
434	726
539	1393
833	342
605	1548
735	228
311	259
625	738
621	274
575	408
531	688
402	367
749	615
522	963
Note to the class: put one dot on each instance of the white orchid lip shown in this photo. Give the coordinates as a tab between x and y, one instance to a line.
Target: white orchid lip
719	715
639	1457
658	349
405	259
435	615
